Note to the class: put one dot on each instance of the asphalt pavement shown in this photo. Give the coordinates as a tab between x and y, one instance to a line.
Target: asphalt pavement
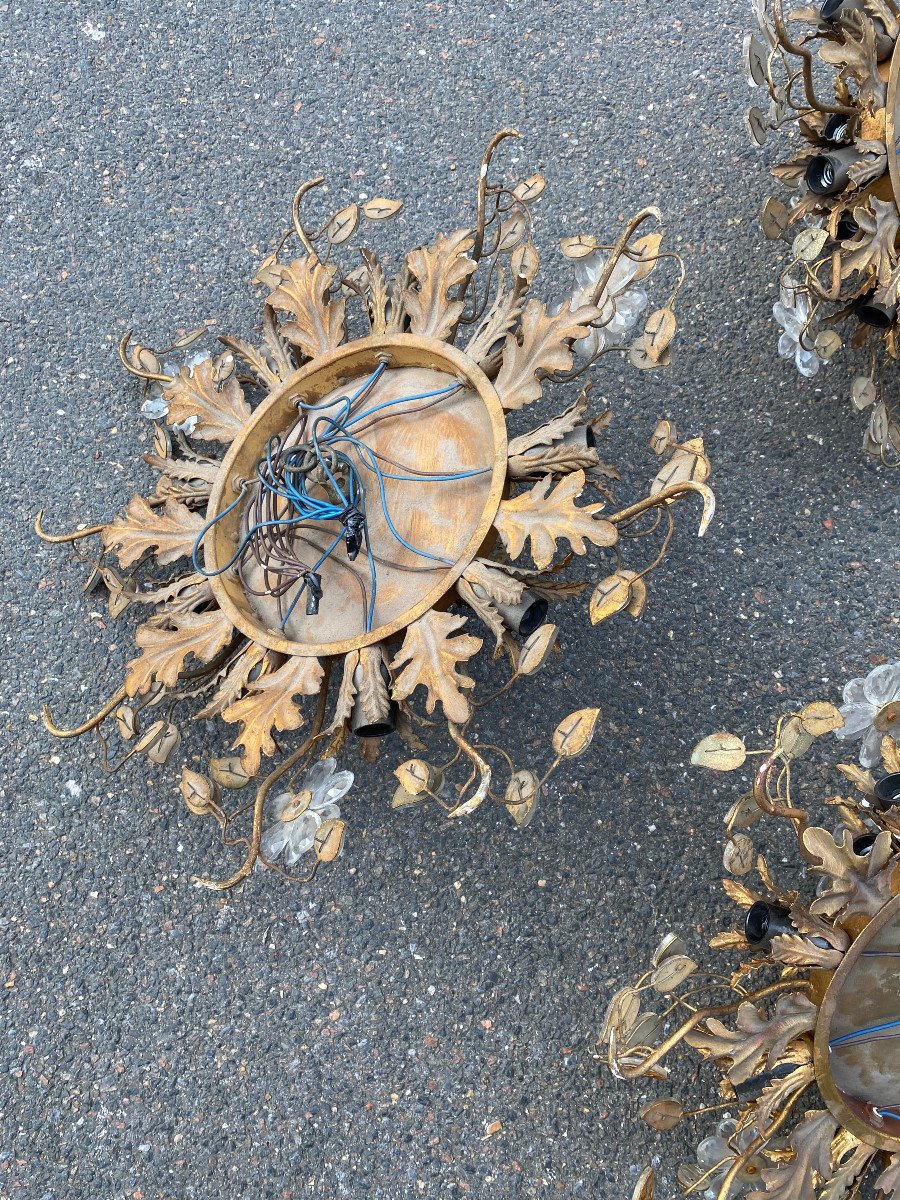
360	1038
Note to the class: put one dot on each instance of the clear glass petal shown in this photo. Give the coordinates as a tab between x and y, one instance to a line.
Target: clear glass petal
855	691
329	812
712	1151
337	786
808	362
318	775
857	719
787	345
274	840
883	684
301	834
870	750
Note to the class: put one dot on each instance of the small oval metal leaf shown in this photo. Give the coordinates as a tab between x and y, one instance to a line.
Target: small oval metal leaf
646	1032
610	596
820	717
640	358
415	775
645	250
638	600
188	339
808	243
579	246
827	344
658	333
197	790
342	224
672	972
150	737
863	392
738	856
574	733
404	799
719	752
521	797
165	745
755	60
536	648
662	1114
643	1189
229	772
744	813
794	740
663	436
126	720
757	124
511	232
887	719
774	218
381	209
671	944
329	839
525	261
148	361
529	189
622	1013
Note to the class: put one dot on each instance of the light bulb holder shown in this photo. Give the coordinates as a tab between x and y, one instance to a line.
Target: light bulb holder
842	14
871	312
829	173
377	716
887	791
765	921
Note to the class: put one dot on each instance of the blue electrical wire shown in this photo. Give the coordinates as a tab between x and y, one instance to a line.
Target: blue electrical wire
288	482
858	1033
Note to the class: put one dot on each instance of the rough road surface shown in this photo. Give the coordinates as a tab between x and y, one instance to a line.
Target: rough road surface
359	1038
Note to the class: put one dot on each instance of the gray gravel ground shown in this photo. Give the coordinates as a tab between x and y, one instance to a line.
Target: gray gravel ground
356	1039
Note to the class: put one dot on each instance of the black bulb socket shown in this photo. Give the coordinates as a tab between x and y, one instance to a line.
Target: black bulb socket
887	791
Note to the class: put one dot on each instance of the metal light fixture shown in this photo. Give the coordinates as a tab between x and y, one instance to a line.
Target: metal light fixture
356	509
804	1040
833	72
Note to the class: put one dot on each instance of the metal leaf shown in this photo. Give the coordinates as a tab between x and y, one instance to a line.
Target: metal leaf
542	344
524	262
164	650
329	839
574	733
342	225
808	244
437	269
774	218
197	790
738	856
269	705
429	657
529	189
521	797
719	752
511	233
417	777
672	972
229	772
671	945
381	209
662	1115
820	717
543	517
536	648
579	246
304	292
757	1037
170	533
658	333
610	596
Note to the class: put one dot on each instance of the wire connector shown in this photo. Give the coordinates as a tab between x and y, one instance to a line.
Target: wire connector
354	523
313	593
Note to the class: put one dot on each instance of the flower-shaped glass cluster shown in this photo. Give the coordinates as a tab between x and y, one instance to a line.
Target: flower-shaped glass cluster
297	816
871	709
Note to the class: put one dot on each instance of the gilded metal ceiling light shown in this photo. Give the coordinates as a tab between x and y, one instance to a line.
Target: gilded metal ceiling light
842	222
804	1030
358	504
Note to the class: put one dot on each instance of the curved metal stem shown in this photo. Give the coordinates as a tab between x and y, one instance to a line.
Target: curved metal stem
138	372
91	723
801	51
482	188
674	492
221	885
75	536
701	1014
295	211
618	249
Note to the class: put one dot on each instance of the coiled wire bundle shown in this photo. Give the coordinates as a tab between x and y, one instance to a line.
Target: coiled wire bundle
312	481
